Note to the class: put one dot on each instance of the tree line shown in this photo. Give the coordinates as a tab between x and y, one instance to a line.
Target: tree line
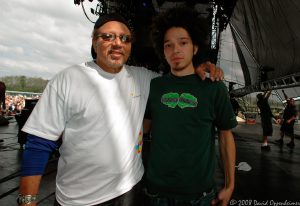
24	84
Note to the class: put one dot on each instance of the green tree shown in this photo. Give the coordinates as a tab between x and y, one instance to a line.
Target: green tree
24	84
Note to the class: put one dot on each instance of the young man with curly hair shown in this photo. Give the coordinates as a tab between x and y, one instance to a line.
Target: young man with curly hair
182	112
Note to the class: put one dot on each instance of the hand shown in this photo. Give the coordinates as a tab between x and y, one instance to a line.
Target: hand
31	204
216	73
279	121
223	197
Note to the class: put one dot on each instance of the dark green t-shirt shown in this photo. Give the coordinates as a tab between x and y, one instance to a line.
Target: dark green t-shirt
184	112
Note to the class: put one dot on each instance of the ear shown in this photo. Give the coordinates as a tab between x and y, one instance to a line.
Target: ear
195	49
94	48
94	43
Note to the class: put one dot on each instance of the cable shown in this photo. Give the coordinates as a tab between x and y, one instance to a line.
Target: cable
8	192
9	177
9	137
9	150
85	13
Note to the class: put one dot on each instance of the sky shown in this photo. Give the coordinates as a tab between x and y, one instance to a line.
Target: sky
40	38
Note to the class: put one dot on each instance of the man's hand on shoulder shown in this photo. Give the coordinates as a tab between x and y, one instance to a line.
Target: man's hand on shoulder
215	73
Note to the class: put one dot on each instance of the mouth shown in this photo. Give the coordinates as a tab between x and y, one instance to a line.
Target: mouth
176	59
116	54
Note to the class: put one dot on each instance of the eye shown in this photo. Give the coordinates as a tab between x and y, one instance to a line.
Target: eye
167	45
183	43
107	37
125	38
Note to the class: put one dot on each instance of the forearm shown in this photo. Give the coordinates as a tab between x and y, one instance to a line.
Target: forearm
268	94
34	161
146	126
29	185
228	153
291	119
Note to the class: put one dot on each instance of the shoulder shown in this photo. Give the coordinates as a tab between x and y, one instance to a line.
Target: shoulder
160	79
137	70
214	86
71	70
141	72
217	90
71	73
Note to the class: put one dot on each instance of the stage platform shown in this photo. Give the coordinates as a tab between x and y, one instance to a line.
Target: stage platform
262	177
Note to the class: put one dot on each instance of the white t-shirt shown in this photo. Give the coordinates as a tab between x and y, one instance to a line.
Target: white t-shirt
99	116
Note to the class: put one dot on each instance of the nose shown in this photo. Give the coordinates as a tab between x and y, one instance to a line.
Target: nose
116	44
176	48
117	41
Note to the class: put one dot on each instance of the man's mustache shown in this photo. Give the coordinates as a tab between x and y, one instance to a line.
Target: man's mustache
114	50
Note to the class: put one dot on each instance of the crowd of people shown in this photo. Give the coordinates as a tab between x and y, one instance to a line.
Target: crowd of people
15	103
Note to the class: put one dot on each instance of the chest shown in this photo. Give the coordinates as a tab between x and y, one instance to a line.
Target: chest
187	103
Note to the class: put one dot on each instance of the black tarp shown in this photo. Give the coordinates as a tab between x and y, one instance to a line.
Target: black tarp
271	31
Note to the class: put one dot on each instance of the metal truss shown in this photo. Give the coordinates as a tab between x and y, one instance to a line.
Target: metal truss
283	82
279	83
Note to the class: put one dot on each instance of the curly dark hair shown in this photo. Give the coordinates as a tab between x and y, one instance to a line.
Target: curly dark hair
186	18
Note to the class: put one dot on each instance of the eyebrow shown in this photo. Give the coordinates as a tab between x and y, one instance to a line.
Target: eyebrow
112	31
181	38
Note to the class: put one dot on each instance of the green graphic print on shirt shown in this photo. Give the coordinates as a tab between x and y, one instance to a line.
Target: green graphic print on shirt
183	101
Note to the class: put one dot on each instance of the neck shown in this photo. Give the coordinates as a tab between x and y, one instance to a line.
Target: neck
109	69
184	71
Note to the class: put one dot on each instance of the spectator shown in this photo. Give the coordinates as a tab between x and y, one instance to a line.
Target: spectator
266	118
288	121
2	96
235	105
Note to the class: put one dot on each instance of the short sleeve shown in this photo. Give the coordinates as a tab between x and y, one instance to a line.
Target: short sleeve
47	120
225	118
